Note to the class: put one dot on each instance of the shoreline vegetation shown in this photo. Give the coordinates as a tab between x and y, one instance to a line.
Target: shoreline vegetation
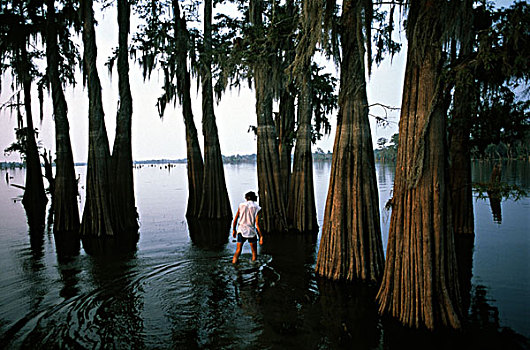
251	158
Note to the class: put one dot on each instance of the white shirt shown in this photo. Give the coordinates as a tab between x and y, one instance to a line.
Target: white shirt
247	219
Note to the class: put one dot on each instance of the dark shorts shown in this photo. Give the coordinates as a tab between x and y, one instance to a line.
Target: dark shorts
241	239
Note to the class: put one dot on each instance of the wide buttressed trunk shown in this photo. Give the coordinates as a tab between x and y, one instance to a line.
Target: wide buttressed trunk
214	201
195	165
301	208
420	281
351	246
97	213
34	198
65	195
272	200
125	220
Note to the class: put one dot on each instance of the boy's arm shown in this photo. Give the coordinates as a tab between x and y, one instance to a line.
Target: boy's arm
259	230
234	225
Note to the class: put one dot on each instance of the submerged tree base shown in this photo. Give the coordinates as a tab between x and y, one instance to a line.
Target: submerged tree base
120	244
206	233
67	244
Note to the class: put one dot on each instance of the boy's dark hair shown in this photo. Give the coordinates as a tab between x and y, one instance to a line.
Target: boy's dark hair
251	196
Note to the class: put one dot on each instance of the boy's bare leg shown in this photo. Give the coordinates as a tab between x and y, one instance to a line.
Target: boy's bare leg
254	249
237	253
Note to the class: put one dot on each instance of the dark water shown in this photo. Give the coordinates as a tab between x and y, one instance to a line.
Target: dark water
177	293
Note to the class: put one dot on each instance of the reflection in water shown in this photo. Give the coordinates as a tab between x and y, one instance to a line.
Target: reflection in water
209	233
119	244
495	205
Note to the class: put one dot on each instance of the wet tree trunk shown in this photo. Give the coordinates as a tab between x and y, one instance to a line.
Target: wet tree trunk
301	208
195	165
65	195
214	201
34	199
351	246
270	196
420	282
459	150
125	220
97	213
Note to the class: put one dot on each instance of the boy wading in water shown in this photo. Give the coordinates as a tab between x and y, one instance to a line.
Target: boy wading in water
248	228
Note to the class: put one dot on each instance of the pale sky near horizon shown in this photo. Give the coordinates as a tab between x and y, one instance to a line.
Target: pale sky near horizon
155	138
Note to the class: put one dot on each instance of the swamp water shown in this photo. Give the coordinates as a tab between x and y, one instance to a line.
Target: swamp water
175	292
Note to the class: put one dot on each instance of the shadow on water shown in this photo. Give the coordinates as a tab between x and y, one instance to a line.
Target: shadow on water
209	234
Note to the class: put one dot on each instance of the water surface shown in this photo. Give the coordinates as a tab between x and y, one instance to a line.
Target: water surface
175	292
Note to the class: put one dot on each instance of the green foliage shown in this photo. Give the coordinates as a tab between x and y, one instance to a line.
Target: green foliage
387	151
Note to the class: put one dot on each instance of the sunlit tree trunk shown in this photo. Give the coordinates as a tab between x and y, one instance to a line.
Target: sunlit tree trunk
125	215
97	213
301	208
34	199
351	246
214	201
65	195
271	199
195	165
420	283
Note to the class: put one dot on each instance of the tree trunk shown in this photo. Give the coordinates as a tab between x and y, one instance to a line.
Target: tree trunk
465	98
193	152
301	208
420	281
285	126
351	246
65	195
34	199
97	213
271	199
214	201
125	220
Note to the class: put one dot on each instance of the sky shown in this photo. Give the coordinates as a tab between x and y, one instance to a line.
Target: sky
156	138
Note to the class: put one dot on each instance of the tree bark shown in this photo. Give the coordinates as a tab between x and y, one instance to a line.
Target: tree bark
193	151
125	220
97	213
301	208
420	282
271	199
351	246
65	195
214	200
285	126
34	198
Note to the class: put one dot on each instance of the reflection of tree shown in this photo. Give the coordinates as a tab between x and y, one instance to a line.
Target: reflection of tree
207	233
113	314
348	316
